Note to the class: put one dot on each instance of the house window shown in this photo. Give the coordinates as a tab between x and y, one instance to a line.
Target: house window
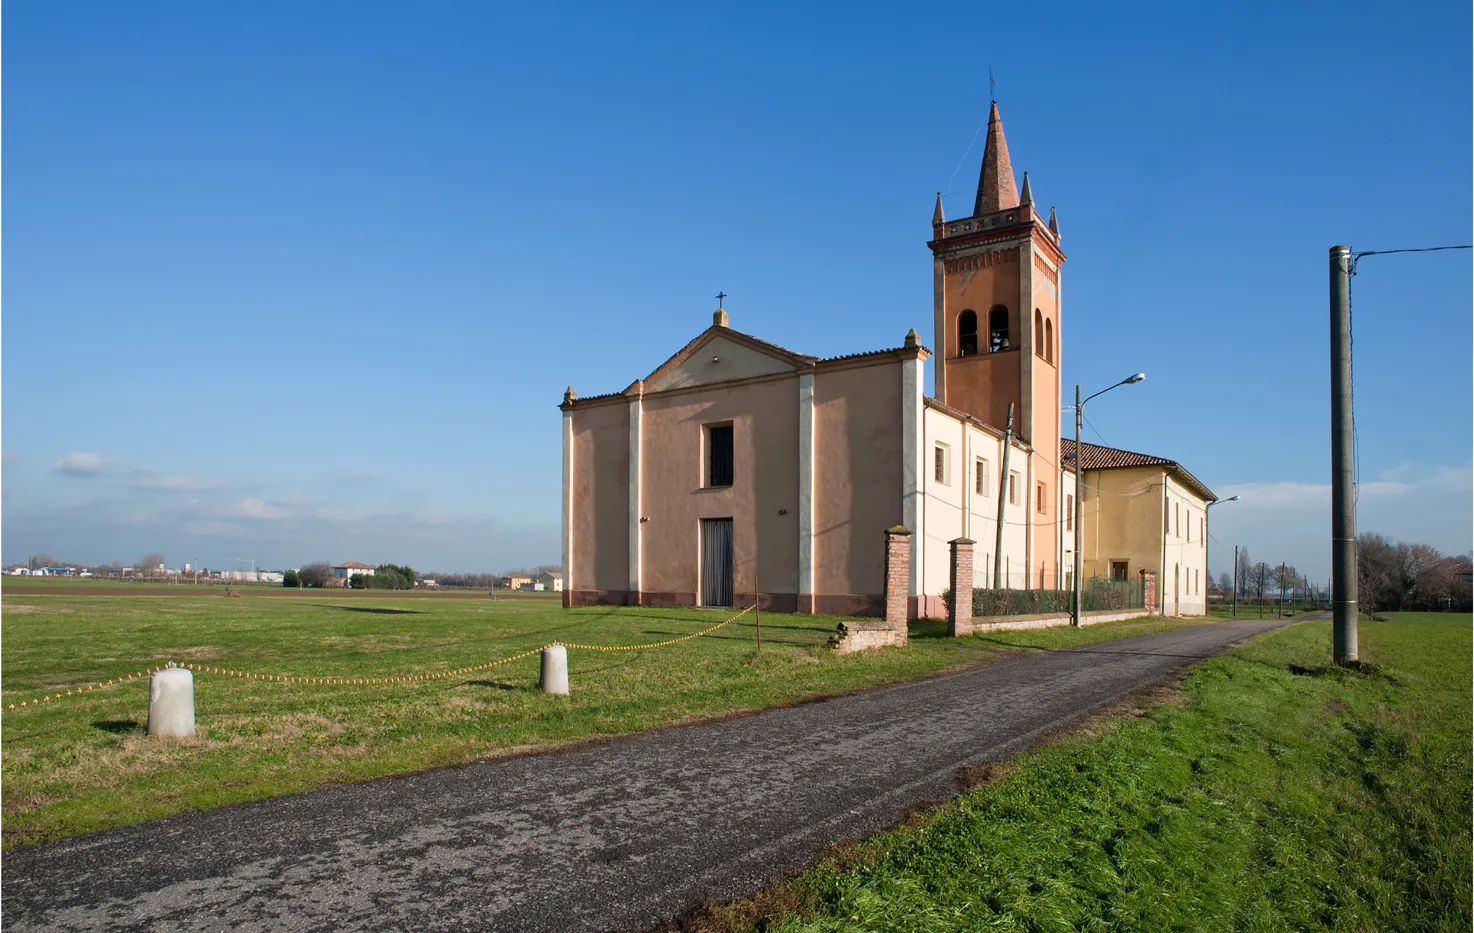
1041	498
1177	517
1203	532
1038	332
981	477
1189	526
719	455
998	329
967	333
1118	569
942	464
1012	488
1069	513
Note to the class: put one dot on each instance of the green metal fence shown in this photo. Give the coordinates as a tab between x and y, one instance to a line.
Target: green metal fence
1095	595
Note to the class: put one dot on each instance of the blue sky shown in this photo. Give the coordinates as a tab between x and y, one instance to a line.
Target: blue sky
296	282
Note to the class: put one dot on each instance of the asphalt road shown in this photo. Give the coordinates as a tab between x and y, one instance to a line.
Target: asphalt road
604	836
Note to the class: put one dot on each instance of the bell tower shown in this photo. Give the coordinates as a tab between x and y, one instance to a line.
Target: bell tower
996	285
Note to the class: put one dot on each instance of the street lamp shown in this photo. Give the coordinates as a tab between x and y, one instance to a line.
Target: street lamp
1208	551
1080	483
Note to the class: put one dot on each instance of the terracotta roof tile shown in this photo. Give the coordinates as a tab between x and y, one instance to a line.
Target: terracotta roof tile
1096	457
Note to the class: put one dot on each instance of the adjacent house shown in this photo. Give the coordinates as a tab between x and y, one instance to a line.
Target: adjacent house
551	582
517	583
351	569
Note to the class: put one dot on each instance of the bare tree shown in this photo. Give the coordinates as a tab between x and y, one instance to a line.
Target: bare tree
38	561
318	575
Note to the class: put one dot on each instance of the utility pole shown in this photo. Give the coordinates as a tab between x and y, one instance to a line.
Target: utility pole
1079	489
1002	500
1343	507
1235	581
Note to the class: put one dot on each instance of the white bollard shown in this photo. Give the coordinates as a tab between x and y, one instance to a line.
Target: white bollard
171	702
555	670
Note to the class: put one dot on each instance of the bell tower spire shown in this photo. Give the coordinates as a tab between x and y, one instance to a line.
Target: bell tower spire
996	188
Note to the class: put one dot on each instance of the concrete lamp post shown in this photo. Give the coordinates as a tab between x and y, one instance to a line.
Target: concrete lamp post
1080	484
1207	527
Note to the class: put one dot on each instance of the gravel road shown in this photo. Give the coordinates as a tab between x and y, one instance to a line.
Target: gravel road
608	835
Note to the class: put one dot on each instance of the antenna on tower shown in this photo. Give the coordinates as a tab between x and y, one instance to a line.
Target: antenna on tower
992	86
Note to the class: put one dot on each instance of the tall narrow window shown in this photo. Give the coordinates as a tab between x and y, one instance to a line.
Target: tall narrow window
1177	518
967	333
1012	488
942	464
1041	498
998	329
1189	526
719	455
1202	532
1038	332
1069	513
981	477
1049	340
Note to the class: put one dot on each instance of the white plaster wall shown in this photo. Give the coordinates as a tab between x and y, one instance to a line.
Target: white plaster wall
1190	556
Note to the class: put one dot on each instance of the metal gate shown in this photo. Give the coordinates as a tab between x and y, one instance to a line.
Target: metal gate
716	562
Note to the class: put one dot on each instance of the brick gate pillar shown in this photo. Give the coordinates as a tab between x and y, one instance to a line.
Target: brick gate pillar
1149	591
897	577
959	607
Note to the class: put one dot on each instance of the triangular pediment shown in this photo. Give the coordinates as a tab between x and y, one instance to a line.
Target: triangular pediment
720	354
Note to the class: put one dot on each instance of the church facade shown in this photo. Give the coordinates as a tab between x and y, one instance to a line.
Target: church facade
739	467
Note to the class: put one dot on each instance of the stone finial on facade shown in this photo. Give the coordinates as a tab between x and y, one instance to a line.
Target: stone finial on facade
912	342
719	318
959	607
1027	195
1053	223
936	215
569	396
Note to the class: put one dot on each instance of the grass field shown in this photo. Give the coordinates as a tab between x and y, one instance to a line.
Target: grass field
1273	792
83	763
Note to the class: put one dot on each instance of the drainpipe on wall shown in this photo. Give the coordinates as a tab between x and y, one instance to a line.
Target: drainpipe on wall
1162	572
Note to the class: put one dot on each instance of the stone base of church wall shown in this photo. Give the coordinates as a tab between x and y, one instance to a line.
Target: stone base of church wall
848	604
596	598
927	607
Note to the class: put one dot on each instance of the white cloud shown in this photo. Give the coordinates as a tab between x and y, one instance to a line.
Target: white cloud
81	464
256	509
148	479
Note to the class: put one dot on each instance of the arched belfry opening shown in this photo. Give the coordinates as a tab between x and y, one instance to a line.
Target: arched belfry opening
998	329
1038	332
967	333
1049	340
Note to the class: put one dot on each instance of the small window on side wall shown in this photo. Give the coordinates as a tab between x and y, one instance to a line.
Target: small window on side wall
1012	488
981	477
941	464
719	455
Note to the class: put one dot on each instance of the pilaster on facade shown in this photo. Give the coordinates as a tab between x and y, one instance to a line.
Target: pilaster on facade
913	443
940	330
806	492
637	412
569	579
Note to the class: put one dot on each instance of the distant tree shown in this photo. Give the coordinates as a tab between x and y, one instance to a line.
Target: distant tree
1245	562
1378	576
38	561
290	579
547	568
1261	576
151	562
318	575
1225	583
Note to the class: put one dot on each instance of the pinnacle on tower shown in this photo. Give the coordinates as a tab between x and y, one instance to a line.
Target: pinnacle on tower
936	215
1027	197
1053	224
996	190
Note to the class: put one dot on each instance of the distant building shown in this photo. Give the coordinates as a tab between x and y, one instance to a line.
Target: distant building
552	582
517	583
347	571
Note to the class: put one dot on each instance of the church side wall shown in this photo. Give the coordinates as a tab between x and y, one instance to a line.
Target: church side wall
857	484
599	525
764	418
1122	522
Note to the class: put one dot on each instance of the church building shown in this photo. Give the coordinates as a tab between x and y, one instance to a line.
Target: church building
740	467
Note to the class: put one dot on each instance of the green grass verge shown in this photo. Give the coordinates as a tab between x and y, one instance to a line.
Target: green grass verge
83	763
1276	793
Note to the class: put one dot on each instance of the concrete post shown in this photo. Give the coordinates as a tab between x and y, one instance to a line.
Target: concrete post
1343	492
959	607
1149	592
555	670
171	702
897	577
